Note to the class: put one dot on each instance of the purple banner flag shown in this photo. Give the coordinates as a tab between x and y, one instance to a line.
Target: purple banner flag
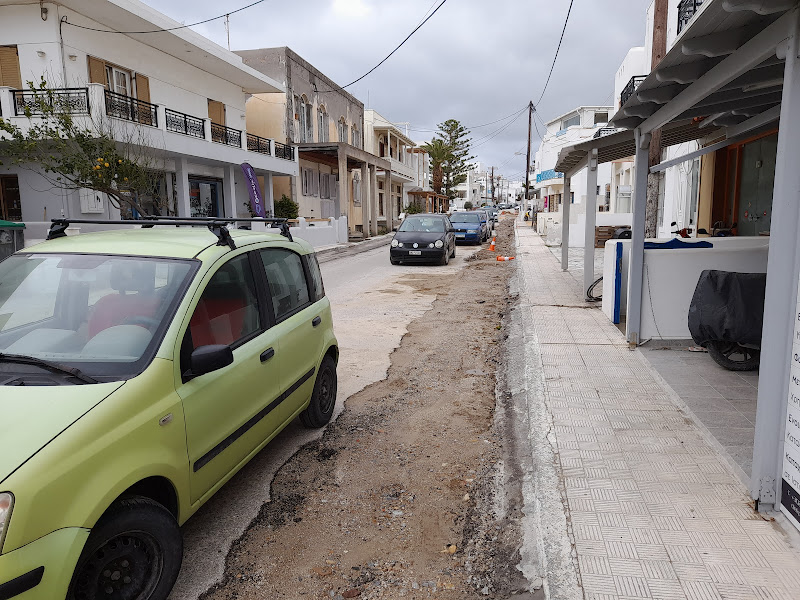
256	201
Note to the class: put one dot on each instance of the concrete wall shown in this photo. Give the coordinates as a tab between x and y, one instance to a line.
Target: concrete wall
670	278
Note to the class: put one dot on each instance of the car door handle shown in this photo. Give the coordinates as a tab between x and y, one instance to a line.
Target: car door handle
267	354
316	321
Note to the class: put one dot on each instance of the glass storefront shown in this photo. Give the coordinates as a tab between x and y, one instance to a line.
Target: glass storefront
205	197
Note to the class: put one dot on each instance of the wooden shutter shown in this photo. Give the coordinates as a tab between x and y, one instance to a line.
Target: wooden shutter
97	71
142	88
9	67
216	112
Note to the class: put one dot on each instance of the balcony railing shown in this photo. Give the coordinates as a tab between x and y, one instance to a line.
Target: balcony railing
604	131
257	144
686	10
131	109
226	135
284	151
631	86
66	100
179	122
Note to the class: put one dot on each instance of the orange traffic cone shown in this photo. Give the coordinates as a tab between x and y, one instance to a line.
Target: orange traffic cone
500	258
491	246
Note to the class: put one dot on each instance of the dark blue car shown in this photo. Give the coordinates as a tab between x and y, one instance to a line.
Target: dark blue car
468	227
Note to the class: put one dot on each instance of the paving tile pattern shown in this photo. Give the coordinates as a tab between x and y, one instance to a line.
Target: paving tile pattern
724	401
654	510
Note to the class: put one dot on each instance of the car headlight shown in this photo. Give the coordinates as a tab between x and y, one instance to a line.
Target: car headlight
439	244
430	245
473	231
6	504
395	243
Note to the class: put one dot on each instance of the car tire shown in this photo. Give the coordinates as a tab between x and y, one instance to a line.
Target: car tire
323	398
453	253
724	353
445	258
134	551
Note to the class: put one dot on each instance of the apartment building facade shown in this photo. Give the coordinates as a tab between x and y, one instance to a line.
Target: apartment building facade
337	176
175	95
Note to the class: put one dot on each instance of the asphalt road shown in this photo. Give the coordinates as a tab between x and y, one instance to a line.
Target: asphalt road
371	310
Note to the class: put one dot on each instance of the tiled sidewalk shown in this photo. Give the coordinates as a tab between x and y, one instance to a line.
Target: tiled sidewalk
654	511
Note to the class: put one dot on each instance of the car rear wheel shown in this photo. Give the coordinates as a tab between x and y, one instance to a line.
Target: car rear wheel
323	398
133	553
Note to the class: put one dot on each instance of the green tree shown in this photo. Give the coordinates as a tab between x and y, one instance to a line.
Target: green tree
456	137
74	151
439	154
414	208
286	208
467	205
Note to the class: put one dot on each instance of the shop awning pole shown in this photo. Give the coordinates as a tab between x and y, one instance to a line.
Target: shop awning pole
636	259
565	225
780	305
591	219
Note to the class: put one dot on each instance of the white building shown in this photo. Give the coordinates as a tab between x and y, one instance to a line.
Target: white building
580	124
473	190
177	94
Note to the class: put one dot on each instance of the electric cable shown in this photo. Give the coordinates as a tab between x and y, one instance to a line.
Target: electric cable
558	48
226	14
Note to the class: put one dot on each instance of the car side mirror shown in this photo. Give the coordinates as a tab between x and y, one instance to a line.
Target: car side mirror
214	357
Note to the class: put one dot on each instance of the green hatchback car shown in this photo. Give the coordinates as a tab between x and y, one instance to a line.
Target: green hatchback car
140	370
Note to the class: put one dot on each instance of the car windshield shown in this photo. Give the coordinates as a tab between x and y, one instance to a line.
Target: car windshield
465	217
423	224
101	314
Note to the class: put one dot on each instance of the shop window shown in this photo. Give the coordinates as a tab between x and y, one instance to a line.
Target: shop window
10	202
205	197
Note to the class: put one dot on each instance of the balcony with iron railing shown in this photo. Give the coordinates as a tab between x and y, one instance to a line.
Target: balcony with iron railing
131	109
604	131
686	10
96	100
630	88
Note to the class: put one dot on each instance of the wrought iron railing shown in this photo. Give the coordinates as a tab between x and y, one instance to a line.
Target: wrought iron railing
631	86
284	151
604	131
186	124
226	135
686	10
131	109
257	143
68	100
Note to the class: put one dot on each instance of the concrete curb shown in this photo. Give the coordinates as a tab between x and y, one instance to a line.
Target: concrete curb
349	249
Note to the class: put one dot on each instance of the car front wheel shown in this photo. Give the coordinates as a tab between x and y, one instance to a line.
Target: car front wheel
133	553
323	398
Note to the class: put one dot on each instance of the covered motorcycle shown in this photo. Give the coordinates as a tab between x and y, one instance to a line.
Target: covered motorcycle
726	315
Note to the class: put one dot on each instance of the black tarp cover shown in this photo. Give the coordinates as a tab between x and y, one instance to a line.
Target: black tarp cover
728	307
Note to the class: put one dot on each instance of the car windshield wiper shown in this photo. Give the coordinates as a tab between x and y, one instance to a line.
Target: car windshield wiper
46	364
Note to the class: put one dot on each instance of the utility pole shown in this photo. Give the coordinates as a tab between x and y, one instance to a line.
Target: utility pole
654	179
528	161
492	185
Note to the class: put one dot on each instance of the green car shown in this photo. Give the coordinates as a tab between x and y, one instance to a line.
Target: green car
140	370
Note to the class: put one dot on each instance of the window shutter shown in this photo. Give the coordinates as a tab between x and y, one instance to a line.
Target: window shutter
304	179
334	187
315	181
97	71
142	88
9	67
216	112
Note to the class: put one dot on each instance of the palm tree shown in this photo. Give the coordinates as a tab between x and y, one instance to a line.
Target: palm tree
439	153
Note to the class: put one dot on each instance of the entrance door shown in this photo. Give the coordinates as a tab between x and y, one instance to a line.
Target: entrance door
205	197
757	179
10	203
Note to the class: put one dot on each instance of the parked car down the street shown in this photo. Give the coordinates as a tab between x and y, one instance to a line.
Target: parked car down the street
141	369
468	227
423	238
486	223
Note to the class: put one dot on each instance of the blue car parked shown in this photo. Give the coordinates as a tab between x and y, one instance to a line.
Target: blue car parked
468	227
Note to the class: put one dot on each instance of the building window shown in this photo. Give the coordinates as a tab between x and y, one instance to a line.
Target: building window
306	121
322	125
205	197
380	204
574	120
342	130
325	185
356	137
600	118
10	203
310	182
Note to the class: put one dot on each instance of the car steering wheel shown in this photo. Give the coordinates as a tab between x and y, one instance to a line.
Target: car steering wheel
146	322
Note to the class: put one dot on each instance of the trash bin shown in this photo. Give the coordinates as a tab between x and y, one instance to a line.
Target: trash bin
12	238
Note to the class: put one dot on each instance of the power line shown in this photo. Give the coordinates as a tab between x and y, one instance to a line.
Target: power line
514	114
569	10
227	14
400	45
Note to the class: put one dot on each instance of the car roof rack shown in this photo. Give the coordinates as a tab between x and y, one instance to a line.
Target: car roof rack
216	225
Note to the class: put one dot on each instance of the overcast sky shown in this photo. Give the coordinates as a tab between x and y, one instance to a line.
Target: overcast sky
474	60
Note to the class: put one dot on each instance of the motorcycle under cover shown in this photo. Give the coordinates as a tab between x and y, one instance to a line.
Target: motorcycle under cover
728	307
